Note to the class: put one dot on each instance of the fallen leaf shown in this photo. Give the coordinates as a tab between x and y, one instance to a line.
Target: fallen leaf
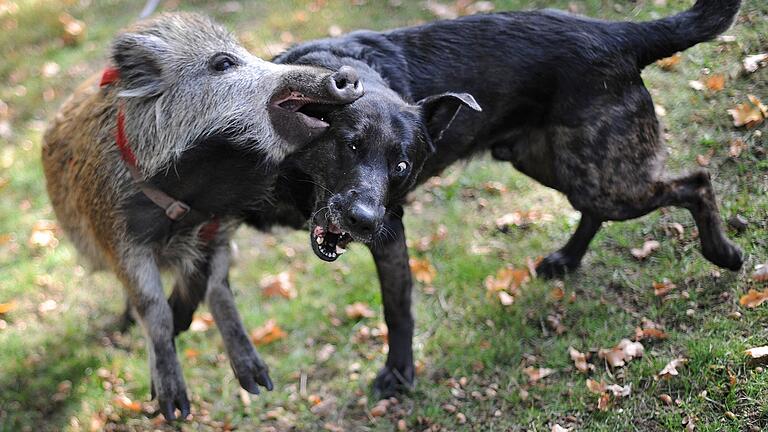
622	353
757	354
379	410
422	270
522	219
748	114
715	82
649	333
557	428
696	85
659	110
555	323
580	360
191	353
507	279
268	333
619	391
358	310
702	160
201	322
557	293
7	307
505	298
535	374
754	298
595	387
670	369
648	248
667	399
761	273
245	397
669	63
279	285
43	235
736	147
663	287
73	30
752	62
126	403
604	403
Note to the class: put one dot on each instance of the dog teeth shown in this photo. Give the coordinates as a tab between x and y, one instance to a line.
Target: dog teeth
340	250
319	240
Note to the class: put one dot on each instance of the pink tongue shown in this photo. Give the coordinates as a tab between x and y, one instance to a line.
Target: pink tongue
334	229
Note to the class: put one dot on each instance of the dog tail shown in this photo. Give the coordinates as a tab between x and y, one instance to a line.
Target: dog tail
661	38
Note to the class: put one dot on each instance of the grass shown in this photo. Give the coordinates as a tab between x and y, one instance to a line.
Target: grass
61	365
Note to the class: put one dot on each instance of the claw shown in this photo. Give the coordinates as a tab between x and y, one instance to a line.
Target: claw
263	379
249	385
183	405
168	410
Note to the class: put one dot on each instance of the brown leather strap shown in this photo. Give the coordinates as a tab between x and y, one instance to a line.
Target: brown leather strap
174	209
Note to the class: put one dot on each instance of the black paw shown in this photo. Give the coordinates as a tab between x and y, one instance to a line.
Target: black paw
170	401
390	382
728	255
252	373
556	264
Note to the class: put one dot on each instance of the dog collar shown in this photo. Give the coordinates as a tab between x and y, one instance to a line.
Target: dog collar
174	209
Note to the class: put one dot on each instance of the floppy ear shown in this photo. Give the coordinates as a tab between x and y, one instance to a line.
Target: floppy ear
139	59
438	111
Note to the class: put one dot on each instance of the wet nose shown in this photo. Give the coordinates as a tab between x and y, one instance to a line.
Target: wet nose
345	84
363	219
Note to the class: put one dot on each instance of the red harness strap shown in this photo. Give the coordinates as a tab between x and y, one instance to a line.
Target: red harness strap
174	209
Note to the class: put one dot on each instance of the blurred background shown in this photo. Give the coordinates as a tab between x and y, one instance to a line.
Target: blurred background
486	360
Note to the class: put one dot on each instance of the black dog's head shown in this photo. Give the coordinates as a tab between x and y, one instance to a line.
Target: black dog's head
368	160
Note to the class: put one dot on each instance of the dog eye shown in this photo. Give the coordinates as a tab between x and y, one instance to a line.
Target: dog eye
352	147
401	167
222	62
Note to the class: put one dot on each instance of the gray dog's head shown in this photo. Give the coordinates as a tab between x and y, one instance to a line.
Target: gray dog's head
183	78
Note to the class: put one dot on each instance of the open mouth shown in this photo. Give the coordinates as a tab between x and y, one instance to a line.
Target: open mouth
311	112
329	242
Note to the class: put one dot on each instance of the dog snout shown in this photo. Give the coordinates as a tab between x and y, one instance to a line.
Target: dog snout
363	219
345	84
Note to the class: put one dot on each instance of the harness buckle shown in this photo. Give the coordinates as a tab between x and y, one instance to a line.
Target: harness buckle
177	210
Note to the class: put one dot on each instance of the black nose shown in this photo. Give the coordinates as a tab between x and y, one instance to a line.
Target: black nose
345	85
362	219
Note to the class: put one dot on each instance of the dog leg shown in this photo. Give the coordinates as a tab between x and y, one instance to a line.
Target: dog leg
126	320
249	369
569	256
391	257
694	192
142	277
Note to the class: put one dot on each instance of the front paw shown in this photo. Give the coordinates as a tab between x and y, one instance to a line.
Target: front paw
556	264
170	396
391	381
251	372
725	254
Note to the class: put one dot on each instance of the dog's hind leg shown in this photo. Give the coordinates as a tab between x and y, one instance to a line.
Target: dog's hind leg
391	256
141	275
569	256
694	192
249	369
188	292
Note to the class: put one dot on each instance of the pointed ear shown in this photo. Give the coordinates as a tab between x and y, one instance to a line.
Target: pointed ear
139	58
438	111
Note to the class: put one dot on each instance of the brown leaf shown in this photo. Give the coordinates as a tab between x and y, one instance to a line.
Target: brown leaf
604	403
667	399
422	270
379	410
557	293
579	360
670	369
535	374
703	160
554	321
7	307
748	114
649	333
663	287
279	285
126	403
715	82
507	279
73	30
669	63
648	248
557	428
622	353
736	147
268	333
191	353
358	310
201	322
505	298
595	387
522	219
754	298
619	391
43	235
495	187
761	273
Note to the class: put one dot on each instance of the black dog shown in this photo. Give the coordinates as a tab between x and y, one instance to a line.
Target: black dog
562	99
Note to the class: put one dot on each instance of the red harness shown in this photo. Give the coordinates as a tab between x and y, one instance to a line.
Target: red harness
175	210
